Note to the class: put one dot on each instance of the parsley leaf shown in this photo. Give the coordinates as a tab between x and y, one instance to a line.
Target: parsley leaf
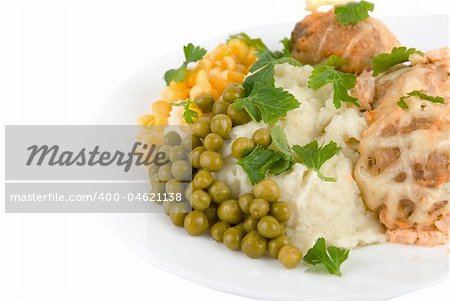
435	99
286	42
267	58
384	61
267	103
329	258
188	114
281	144
341	81
256	43
313	156
258	163
352	13
191	54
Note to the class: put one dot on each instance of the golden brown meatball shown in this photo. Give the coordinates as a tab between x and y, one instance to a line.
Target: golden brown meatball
319	35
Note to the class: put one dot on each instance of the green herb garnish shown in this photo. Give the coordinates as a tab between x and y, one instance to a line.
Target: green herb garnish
267	103
385	61
258	163
191	54
188	114
341	81
435	99
313	156
256	43
286	42
354	12
325	258
334	61
281	144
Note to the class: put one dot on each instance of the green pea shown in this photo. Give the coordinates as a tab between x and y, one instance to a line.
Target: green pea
230	212
175	187
250	224
165	172
211	160
262	137
269	227
200	200
196	223
221	124
254	245
220	107
202	179
259	208
219	191
268	190
281	211
238	116
244	202
190	142
217	231
289	256
181	170
177	153
201	127
241	147
211	213
213	142
232	92
172	138
232	238
204	102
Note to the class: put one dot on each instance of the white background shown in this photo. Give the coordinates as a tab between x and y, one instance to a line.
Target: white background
59	60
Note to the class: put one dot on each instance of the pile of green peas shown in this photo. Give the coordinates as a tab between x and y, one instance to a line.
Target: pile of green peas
254	222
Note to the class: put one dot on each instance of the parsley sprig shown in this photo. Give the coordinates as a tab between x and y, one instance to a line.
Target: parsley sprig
313	156
324	258
256	43
353	12
191	54
258	163
281	145
188	114
342	82
398	55
435	99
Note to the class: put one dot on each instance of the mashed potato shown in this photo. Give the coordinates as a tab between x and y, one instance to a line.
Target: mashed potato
333	210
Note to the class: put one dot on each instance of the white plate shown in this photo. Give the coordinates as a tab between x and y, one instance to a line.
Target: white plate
376	272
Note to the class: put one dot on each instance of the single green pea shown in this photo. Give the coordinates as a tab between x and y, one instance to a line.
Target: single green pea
244	202
202	179
211	214
250	224
281	211
177	153
177	213
268	190
232	92
230	212
181	170
165	172
211	160
254	245
219	191
200	200
172	138
259	208
217	231
220	107
289	256
196	223
213	142
238	116
232	238
205	102
201	127
221	124
269	227
175	187
241	147
262	137
190	142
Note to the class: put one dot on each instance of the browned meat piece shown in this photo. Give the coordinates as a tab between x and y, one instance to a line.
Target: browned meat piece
404	168
319	35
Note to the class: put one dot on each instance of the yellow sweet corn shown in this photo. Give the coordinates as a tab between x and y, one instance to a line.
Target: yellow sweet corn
227	63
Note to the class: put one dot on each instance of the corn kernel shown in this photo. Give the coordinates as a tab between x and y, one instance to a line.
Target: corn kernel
161	107
229	62
201	77
145	119
236	77
200	89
